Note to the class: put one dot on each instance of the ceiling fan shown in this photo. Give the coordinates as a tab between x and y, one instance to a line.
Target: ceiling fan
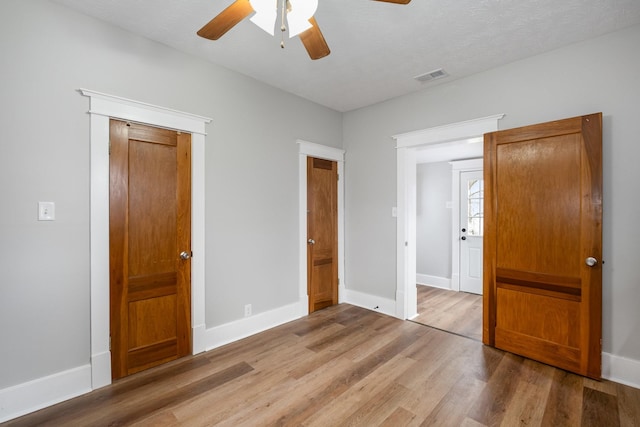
301	21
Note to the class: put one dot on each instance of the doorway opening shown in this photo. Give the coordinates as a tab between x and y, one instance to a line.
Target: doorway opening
449	215
440	144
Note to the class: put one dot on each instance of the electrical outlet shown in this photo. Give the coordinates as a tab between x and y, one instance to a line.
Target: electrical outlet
46	211
247	310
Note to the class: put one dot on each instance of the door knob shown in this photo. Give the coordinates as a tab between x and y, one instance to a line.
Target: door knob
591	261
311	242
185	255
463	238
464	229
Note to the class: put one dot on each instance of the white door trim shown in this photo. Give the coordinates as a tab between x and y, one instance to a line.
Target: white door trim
457	167
407	145
310	149
102	108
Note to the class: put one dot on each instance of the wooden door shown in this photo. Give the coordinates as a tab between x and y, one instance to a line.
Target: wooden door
150	225
471	230
322	233
543	230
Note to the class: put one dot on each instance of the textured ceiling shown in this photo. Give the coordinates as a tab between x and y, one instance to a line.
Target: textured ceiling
376	48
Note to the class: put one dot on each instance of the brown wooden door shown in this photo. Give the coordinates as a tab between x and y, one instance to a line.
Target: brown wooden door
543	213
150	225
322	233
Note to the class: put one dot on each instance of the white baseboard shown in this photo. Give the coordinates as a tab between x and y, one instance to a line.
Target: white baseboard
234	331
433	281
31	396
621	370
371	302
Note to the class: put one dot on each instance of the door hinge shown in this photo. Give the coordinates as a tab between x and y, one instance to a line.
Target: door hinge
338	177
338	281
109	147
109	342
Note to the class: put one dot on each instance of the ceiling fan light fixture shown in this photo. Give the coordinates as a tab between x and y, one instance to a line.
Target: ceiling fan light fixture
301	12
266	14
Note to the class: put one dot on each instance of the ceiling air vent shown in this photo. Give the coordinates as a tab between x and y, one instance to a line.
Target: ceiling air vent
431	75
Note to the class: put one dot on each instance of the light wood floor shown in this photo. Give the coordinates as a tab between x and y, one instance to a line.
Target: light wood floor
457	312
350	366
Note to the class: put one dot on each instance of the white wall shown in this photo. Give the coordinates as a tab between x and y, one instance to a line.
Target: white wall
433	220
48	52
602	74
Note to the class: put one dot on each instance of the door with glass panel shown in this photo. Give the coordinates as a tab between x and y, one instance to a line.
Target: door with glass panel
471	224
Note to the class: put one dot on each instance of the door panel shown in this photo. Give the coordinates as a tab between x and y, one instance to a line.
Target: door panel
150	211
543	218
471	232
322	225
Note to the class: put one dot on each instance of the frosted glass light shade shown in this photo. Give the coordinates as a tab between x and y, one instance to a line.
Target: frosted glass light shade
301	12
266	14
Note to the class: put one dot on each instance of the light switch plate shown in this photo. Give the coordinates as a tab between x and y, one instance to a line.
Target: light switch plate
46	211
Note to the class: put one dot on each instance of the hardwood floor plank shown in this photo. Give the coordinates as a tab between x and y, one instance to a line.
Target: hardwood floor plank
453	408
295	401
344	335
532	392
361	393
166	419
456	312
468	422
602	385
564	404
271	370
399	417
128	389
232	399
429	392
599	409
492	403
378	408
628	405
330	347
381	336
127	414
484	361
342	382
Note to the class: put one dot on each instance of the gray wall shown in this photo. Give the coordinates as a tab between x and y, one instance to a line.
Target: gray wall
433	219
251	176
602	74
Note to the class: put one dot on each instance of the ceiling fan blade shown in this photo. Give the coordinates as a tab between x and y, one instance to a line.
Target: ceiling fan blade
226	20
314	41
396	1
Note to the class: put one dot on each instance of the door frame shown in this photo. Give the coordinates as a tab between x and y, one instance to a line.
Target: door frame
457	167
407	147
102	108
309	149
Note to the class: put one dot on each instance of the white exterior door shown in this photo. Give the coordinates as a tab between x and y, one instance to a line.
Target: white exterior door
471	231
